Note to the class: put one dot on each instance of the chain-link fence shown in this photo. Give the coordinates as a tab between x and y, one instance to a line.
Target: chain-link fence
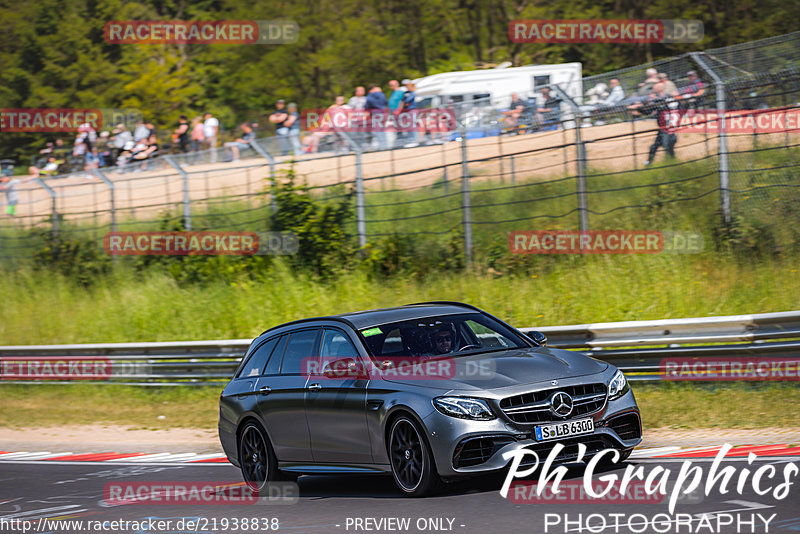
717	150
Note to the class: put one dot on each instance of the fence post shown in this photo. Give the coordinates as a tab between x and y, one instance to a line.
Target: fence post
100	174
267	156
361	221
513	171
465	199
500	152
444	167
724	180
187	210
583	208
54	214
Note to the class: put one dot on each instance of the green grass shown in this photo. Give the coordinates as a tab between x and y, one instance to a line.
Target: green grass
43	307
662	405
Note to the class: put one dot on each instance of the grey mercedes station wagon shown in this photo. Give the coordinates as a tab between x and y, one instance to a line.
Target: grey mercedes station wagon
428	392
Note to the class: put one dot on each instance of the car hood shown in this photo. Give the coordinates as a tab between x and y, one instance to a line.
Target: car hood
508	368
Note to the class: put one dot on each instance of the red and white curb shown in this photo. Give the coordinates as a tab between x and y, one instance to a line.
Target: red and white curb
113	457
777	450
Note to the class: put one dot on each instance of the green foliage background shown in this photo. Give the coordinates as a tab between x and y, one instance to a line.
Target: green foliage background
53	54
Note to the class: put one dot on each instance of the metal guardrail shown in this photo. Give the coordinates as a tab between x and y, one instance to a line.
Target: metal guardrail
212	363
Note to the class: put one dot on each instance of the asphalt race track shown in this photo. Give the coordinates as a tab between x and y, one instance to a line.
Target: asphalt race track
30	491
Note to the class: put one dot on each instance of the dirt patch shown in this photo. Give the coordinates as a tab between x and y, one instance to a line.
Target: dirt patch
699	437
110	438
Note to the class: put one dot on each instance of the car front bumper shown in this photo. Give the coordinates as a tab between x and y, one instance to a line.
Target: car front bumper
446	434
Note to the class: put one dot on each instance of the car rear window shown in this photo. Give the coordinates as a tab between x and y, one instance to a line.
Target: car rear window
301	345
258	360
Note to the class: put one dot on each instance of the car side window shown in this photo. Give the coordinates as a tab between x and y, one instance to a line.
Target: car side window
487	337
335	344
301	345
273	366
258	359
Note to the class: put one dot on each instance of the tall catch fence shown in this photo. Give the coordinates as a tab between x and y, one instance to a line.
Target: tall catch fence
575	166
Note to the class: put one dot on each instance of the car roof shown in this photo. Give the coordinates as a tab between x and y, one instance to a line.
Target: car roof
368	318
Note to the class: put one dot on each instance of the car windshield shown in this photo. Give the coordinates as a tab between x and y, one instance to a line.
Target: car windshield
440	335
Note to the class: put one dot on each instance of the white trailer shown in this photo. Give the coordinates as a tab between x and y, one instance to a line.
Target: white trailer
493	87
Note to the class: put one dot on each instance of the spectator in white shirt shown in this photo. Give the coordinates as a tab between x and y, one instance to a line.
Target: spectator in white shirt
210	130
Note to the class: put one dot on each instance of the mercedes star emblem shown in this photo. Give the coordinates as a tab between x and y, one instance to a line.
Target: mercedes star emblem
561	404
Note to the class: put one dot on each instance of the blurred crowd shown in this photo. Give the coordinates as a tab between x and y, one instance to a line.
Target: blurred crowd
133	149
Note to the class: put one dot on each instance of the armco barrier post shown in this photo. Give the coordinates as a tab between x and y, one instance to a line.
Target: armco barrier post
267	156
465	199
187	209
724	181
54	213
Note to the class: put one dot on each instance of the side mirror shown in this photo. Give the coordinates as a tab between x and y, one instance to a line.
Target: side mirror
538	337
342	368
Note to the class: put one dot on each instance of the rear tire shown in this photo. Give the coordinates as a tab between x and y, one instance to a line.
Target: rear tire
410	456
258	462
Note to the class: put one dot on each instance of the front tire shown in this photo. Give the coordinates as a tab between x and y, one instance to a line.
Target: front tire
256	457
411	459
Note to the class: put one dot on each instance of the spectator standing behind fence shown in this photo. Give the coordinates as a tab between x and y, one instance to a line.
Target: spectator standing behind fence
197	137
665	110
293	123
8	185
243	142
359	100
279	117
181	134
119	140
210	131
378	106
407	108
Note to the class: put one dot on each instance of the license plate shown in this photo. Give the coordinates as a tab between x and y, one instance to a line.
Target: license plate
565	429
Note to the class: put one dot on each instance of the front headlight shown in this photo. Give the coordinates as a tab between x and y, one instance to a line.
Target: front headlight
618	386
463	408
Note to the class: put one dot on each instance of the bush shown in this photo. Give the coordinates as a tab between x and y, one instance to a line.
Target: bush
78	258
325	246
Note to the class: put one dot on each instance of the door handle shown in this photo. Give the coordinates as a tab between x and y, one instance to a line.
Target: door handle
314	387
265	390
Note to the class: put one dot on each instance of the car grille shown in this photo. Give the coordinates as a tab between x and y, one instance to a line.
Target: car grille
569	453
626	426
534	408
475	451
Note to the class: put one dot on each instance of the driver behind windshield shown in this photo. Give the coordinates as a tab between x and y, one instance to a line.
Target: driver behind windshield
442	339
